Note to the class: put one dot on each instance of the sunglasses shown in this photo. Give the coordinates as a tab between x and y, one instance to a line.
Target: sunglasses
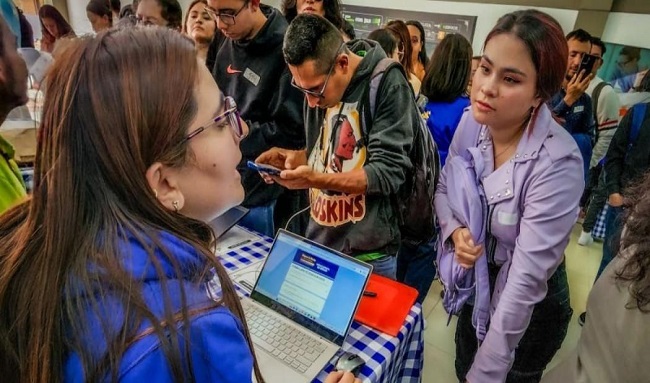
230	116
320	93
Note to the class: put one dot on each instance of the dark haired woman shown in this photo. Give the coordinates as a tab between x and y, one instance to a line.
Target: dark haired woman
444	86
329	9
200	27
419	57
103	273
53	27
614	341
404	51
386	41
525	169
99	14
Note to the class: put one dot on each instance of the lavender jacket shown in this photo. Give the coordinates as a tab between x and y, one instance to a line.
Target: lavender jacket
466	199
534	204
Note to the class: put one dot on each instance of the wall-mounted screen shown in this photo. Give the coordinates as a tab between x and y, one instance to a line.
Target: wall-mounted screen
436	25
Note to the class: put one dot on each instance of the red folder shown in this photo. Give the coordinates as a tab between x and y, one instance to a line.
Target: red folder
387	311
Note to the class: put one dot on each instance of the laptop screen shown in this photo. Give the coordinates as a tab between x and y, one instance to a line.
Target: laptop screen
315	286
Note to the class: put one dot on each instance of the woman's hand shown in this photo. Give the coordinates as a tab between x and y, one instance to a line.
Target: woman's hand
341	377
466	251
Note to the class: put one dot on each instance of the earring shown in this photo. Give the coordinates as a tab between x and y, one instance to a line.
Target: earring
175	204
155	193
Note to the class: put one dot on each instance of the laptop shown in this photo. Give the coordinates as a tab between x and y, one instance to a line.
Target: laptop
301	307
227	220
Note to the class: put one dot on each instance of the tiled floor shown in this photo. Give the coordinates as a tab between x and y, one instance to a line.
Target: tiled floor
439	347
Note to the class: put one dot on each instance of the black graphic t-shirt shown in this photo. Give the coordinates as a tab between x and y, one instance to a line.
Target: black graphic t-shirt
361	223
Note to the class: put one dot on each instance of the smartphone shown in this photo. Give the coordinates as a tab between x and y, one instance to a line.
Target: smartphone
268	169
587	64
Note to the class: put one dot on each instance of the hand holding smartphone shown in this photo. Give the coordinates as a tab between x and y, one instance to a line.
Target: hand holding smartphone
587	64
262	168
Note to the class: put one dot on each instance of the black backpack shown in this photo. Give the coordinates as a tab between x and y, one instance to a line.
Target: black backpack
414	200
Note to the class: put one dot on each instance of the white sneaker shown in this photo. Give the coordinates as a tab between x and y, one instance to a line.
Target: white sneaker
585	239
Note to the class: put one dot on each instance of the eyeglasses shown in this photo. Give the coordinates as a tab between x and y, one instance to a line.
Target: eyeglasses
623	63
230	116
226	18
327	79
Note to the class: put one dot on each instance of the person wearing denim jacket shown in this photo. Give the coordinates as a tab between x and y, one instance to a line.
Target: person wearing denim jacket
532	183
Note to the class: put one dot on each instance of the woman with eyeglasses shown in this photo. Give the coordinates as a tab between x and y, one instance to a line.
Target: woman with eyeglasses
200	26
405	56
419	53
104	271
163	13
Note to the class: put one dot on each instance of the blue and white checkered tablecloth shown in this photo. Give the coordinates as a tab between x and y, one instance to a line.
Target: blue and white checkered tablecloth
388	359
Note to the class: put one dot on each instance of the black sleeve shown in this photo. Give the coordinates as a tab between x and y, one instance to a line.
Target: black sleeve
391	137
286	126
615	158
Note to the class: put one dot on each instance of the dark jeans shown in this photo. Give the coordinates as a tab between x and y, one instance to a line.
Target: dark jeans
613	225
596	204
416	267
543	337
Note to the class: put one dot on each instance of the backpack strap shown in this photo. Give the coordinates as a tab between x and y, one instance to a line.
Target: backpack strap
369	98
594	101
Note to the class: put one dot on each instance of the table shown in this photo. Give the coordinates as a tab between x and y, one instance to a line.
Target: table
388	359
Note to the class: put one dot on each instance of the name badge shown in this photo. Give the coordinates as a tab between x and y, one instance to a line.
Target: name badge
579	108
251	76
507	219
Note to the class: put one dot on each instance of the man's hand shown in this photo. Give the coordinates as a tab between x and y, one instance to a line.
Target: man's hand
466	251
283	159
302	177
616	200
577	86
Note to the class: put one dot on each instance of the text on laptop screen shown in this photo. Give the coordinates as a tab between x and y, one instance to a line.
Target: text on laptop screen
316	283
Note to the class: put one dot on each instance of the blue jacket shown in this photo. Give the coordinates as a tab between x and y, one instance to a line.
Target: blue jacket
442	121
578	118
218	347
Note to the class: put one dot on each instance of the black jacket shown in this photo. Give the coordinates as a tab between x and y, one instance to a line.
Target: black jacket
254	73
623	168
368	223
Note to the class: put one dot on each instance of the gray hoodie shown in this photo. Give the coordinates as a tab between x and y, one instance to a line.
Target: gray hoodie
359	224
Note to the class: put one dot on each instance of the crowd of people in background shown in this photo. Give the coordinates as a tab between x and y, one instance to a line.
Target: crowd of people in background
141	145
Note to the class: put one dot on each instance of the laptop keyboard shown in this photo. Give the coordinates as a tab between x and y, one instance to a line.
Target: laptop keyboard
294	347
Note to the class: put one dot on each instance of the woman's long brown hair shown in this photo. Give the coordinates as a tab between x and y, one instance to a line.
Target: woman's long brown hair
116	104
634	245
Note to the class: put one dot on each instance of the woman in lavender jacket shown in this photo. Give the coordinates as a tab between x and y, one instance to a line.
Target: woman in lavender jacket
532	182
